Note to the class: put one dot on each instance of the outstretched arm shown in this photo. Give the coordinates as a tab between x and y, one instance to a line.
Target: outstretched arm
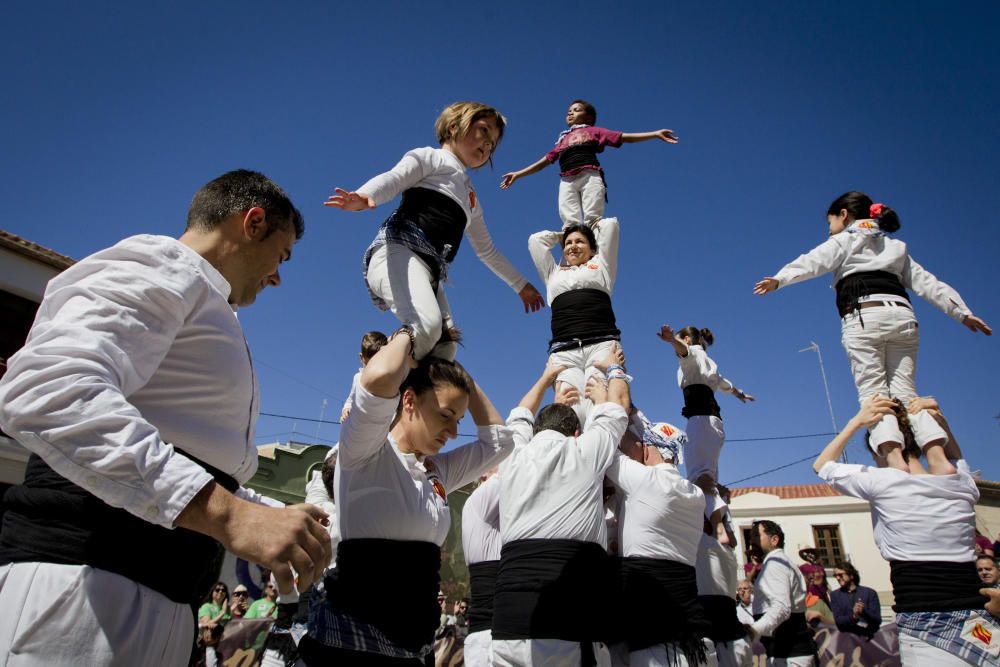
663	135
509	178
667	335
870	414
491	256
824	258
350	201
533	399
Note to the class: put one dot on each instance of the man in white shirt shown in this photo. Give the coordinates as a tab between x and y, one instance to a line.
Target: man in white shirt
550	599
136	394
779	602
744	602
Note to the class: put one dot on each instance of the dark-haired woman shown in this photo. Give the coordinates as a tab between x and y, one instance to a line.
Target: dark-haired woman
872	272
579	293
699	379
212	616
391	484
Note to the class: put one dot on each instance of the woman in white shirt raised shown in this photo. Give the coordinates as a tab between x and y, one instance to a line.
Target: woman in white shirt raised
579	292
924	525
391	488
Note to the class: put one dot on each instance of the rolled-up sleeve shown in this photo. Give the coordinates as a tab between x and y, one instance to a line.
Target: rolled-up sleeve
101	332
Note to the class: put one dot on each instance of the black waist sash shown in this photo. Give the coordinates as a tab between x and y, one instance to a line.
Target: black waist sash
582	313
49	519
699	400
581	155
390	584
792	638
551	589
935	586
662	599
725	625
482	581
865	283
439	217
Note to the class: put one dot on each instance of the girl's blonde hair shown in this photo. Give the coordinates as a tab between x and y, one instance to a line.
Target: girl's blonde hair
455	121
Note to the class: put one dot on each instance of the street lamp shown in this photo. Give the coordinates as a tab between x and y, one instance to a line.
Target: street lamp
813	347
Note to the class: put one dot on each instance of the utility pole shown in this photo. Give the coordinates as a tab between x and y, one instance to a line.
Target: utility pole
813	347
322	411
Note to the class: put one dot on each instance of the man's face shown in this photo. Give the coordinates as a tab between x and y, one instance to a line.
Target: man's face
259	260
988	572
270	592
744	592
763	540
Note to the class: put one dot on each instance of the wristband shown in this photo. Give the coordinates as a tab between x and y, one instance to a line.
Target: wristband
408	330
617	372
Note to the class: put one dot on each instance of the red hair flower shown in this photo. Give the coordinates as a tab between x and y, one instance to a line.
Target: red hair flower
876	210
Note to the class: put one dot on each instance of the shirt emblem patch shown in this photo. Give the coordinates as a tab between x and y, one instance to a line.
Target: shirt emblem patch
593	266
435	481
472	200
980	632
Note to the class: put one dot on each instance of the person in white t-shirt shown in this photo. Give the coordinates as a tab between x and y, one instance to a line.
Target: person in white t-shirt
406	266
872	272
924	525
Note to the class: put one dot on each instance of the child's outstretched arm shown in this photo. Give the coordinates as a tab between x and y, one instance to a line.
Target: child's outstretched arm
382	188
871	413
824	258
942	295
350	201
663	135
509	178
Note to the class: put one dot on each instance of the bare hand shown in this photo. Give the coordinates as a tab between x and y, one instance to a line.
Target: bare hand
350	201
922	403
596	390
743	396
552	371
343	414
873	409
666	334
567	394
532	300
859	607
993	606
280	540
764	286
975	324
508	180
615	356
667	136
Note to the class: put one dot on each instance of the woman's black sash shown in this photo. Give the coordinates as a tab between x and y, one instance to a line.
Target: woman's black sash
935	586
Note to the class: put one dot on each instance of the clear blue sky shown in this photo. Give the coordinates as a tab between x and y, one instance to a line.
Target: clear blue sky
114	114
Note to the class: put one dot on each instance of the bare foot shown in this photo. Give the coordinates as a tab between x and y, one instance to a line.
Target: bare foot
937	462
893	454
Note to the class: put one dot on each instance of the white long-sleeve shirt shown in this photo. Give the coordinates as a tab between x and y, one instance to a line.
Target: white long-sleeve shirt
440	170
382	492
663	513
698	368
599	272
136	350
779	592
716	568
914	517
551	486
846	253
481	523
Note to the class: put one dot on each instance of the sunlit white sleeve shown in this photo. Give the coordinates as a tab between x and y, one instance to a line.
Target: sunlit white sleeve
936	292
412	168
481	241
824	258
466	463
773	587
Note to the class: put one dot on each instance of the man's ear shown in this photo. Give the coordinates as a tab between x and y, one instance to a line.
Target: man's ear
255	224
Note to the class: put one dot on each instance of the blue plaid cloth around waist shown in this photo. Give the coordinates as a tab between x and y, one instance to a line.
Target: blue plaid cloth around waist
402	232
944	629
343	631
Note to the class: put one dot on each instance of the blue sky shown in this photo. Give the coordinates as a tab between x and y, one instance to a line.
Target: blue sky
115	114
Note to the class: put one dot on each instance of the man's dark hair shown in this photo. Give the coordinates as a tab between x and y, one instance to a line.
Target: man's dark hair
557	417
371	343
238	191
327	472
771	529
851	571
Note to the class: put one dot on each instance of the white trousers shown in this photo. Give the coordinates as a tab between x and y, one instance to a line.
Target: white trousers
404	281
668	655
75	615
737	653
477	649
883	356
579	363
706	435
581	198
797	661
543	653
915	652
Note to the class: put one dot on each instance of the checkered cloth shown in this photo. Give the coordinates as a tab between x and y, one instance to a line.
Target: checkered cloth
403	232
343	631
971	634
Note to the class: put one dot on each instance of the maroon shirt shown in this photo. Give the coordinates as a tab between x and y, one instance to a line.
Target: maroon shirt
594	139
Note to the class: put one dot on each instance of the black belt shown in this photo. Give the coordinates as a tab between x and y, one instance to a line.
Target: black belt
578	343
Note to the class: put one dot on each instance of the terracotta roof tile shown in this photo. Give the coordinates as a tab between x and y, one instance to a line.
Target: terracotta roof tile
790	492
34	251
